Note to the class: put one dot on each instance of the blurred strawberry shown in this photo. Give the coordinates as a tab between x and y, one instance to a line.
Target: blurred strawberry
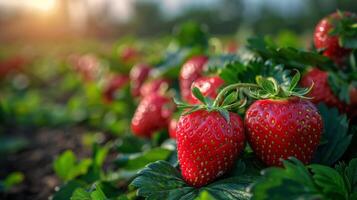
322	92
152	114
117	82
190	71
87	65
11	64
153	86
172	128
208	86
129	54
323	39
138	75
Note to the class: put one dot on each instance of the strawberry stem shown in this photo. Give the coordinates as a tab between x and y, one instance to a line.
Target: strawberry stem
235	86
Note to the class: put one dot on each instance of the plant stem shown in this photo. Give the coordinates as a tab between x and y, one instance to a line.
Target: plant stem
221	94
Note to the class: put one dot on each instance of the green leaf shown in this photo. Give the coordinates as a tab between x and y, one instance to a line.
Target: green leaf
224	113
96	193
139	160
330	182
349	174
293	181
160	180
231	98
81	194
290	57
204	195
130	144
348	42
336	133
11	180
197	93
294	81
230	188
67	168
191	34
65	191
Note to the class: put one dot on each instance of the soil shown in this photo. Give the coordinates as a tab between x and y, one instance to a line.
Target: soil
36	161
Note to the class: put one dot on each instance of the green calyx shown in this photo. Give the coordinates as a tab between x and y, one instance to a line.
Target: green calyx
229	98
223	103
345	27
269	88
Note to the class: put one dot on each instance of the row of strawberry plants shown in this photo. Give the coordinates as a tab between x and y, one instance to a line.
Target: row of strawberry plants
212	152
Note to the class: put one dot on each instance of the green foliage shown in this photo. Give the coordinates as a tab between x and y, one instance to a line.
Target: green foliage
290	57
312	182
94	194
67	167
336	131
191	34
346	29
160	180
11	180
137	161
65	191
340	85
237	72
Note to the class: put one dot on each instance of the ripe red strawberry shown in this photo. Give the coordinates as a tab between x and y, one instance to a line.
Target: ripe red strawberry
138	75
190	71
208	86
208	145
330	43
153	86
152	114
115	83
321	92
278	129
172	128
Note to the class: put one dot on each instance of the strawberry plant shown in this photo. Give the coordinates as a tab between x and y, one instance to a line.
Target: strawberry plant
185	116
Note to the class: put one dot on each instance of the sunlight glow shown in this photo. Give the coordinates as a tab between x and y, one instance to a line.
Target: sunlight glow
44	6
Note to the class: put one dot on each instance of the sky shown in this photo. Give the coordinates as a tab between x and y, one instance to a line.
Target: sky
121	10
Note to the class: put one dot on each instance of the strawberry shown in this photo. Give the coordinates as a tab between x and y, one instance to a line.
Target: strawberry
282	123
129	54
138	75
87	65
172	128
330	43
278	129
115	83
321	92
208	86
153	86
190	71
208	145
152	114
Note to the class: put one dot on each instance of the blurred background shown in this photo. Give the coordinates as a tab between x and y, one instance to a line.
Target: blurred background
41	20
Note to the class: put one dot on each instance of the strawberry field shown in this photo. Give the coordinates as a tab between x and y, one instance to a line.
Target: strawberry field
189	115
